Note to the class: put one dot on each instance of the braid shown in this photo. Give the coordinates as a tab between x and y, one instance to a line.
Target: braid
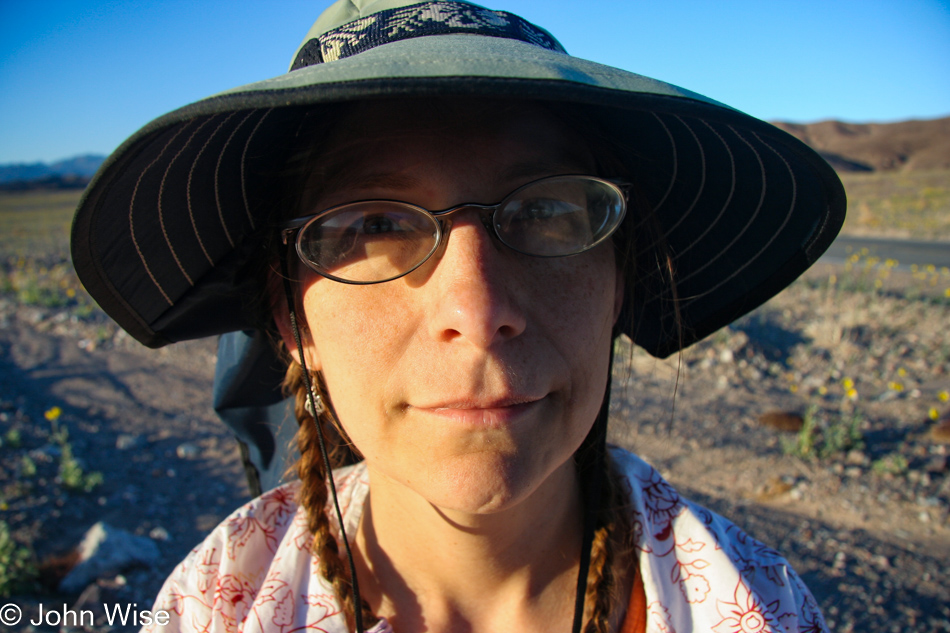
611	554
313	488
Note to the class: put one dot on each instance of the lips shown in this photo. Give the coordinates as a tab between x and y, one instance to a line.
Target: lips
487	412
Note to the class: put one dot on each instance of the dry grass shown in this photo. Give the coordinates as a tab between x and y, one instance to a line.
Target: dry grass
34	250
912	204
36	223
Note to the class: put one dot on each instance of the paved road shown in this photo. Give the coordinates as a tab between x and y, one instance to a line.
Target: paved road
906	252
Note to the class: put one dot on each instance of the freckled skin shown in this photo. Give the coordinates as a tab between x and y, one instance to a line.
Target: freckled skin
476	324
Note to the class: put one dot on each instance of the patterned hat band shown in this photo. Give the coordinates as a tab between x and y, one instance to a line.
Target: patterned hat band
419	20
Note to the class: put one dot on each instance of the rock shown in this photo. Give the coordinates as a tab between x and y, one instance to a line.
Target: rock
938	464
782	421
887	395
857	458
159	534
46	453
106	551
125	441
940	432
97	596
187	450
775	487
34	316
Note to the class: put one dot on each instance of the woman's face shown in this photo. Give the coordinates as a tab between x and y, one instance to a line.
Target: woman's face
473	379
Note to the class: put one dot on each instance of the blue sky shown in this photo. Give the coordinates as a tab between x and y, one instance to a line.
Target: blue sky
80	76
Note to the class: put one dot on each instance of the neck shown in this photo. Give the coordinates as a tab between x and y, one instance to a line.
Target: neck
434	569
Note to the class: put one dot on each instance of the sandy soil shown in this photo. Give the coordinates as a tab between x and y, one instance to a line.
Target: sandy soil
867	526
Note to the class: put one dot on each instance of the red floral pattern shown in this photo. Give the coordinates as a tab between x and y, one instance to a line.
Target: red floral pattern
255	571
746	614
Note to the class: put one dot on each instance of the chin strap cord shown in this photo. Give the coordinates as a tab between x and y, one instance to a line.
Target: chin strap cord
591	466
292	315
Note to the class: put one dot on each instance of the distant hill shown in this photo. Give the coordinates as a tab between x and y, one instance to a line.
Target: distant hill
65	174
914	145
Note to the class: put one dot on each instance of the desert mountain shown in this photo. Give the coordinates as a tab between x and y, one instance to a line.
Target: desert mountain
914	145
76	168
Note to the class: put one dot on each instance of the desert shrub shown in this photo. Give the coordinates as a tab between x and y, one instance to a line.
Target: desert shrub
17	567
892	464
823	440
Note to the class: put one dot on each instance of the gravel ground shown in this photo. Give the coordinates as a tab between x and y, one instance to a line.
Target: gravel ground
859	505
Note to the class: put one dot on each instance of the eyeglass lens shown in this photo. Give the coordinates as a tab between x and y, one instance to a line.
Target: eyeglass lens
379	240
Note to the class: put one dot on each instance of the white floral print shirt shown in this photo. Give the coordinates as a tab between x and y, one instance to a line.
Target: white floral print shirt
255	571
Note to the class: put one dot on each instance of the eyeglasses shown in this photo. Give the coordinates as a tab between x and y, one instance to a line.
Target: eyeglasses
372	241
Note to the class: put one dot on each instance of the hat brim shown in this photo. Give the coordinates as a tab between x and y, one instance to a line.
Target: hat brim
163	234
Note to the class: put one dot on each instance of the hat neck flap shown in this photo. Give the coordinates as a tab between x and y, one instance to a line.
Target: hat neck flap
441	17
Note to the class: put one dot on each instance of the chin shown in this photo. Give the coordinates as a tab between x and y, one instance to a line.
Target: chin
490	484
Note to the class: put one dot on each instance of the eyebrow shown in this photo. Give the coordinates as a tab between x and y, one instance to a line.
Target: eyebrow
545	167
372	180
346	175
398	181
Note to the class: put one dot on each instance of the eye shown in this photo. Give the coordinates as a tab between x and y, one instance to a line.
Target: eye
543	225
375	224
544	209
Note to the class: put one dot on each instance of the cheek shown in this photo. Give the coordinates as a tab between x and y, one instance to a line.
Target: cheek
581	306
355	340
578	316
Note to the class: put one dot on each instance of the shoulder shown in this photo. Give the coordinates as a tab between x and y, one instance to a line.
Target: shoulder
256	570
700	571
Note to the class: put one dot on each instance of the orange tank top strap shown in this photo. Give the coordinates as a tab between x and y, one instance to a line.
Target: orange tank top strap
636	619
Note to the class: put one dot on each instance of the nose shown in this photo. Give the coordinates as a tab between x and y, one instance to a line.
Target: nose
472	287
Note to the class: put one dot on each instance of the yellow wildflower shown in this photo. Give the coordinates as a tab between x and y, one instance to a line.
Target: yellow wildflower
944	396
52	414
933	413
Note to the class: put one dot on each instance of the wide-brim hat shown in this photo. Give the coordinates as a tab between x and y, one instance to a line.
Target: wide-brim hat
164	233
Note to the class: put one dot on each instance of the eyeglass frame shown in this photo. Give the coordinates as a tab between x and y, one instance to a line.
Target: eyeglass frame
444	224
